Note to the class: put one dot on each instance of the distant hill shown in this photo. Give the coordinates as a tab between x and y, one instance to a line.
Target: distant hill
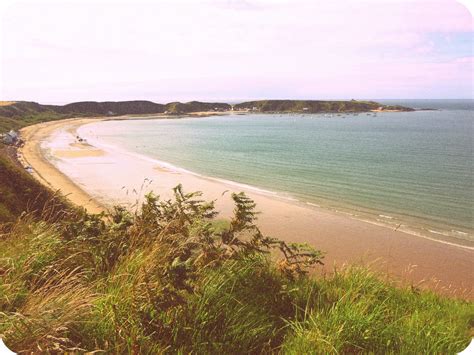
14	115
110	108
314	106
196	106
17	114
21	108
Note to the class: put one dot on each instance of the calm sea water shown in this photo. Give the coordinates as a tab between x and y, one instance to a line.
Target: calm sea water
414	168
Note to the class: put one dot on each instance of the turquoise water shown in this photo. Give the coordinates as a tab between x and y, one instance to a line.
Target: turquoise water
413	168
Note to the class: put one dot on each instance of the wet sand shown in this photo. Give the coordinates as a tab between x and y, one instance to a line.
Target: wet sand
96	176
31	155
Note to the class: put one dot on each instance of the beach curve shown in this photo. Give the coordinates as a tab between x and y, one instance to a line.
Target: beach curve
345	240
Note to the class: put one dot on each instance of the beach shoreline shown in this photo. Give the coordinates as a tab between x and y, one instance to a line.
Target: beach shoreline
377	217
417	260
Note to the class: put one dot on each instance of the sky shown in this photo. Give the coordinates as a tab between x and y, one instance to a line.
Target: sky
66	51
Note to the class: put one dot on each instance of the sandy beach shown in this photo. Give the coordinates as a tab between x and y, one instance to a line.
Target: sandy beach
96	176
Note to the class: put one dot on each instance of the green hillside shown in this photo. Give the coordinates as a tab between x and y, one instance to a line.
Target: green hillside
14	115
19	192
21	113
314	106
196	106
110	108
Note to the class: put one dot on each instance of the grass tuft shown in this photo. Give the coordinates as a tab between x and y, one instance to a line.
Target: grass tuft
171	278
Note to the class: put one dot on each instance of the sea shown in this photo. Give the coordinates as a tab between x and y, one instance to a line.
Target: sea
410	170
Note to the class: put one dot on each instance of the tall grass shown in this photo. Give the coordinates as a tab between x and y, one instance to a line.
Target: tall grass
20	193
355	311
170	278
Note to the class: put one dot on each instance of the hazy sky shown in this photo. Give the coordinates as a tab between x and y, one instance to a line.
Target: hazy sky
63	51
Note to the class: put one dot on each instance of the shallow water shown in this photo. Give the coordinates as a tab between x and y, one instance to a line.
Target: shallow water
412	168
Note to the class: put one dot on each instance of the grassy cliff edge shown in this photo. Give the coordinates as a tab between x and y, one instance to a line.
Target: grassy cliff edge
170	278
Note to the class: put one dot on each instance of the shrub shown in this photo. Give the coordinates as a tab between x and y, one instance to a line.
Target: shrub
169	278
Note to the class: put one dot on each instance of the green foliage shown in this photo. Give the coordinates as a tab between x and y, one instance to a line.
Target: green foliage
19	192
241	307
22	113
170	279
357	312
314	106
27	118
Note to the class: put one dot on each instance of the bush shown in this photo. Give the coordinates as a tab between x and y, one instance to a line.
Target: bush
168	278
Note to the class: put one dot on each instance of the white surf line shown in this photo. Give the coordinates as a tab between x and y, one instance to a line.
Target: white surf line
174	168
